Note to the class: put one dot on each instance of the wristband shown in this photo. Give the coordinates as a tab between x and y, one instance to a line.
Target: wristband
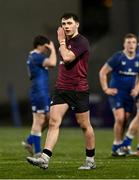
62	43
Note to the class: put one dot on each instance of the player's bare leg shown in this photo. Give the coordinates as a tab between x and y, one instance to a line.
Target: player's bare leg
84	121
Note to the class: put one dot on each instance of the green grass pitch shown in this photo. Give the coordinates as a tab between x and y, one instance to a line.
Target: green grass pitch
68	155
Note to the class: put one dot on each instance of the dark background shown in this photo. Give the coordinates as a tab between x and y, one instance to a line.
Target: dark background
103	22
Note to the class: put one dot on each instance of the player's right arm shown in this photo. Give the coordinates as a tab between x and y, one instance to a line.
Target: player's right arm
103	76
67	55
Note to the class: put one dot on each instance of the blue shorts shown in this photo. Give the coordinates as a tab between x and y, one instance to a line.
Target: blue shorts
122	100
40	102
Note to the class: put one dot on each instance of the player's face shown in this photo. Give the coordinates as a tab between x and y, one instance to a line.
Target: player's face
130	45
43	48
70	27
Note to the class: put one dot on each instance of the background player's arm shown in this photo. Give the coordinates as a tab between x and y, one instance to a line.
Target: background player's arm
51	60
103	76
67	55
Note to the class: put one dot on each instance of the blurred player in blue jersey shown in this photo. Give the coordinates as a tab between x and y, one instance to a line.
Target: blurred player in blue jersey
133	129
38	63
122	89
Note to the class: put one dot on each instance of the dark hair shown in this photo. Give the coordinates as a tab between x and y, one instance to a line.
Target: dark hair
130	35
70	15
40	40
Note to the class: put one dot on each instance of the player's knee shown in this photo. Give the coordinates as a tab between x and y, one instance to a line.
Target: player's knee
84	126
120	120
54	123
88	131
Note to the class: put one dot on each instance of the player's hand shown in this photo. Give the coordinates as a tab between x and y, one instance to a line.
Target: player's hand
111	91
50	46
134	92
61	34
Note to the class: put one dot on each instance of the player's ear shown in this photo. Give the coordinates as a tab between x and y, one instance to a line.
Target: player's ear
77	23
124	45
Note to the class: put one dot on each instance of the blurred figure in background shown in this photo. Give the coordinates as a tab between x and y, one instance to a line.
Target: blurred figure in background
133	129
122	89
38	63
72	91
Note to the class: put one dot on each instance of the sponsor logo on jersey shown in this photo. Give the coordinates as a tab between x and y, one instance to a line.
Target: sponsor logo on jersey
129	72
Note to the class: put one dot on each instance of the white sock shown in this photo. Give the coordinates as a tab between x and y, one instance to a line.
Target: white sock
36	133
117	142
91	159
129	135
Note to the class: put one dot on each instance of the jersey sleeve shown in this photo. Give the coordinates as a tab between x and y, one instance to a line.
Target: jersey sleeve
39	59
114	61
79	47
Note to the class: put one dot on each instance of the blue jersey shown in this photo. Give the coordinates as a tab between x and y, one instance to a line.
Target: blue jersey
137	51
37	73
124	71
39	91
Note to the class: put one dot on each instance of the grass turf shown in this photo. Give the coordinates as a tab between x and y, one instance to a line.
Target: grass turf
68	155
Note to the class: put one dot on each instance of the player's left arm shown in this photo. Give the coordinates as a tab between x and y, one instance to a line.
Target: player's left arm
67	55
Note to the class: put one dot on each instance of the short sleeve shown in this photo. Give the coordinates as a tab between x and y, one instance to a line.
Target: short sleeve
113	61
80	46
39	58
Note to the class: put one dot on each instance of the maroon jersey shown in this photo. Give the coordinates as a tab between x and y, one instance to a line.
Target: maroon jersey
73	76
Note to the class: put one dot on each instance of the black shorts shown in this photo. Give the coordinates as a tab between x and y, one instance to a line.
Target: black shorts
77	101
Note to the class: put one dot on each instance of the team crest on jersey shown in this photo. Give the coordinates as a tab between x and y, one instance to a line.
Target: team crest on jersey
69	46
136	64
123	63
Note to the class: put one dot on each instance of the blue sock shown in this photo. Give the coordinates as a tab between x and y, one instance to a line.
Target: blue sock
115	147
127	141
30	139
37	143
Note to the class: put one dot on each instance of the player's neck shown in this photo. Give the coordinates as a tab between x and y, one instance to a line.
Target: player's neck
130	55
37	50
73	35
